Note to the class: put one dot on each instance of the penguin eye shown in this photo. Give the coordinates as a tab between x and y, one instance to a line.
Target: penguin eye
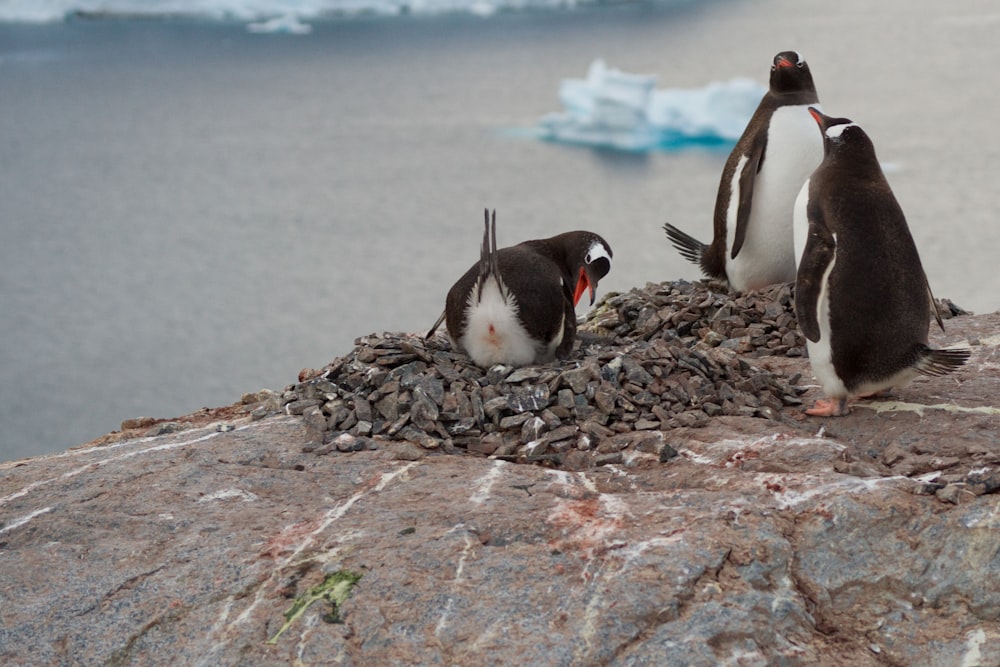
800	64
596	252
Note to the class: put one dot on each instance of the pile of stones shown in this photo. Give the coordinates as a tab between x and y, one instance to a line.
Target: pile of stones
647	361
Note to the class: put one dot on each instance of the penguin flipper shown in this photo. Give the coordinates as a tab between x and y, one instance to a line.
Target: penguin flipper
819	253
934	304
748	177
689	247
940	362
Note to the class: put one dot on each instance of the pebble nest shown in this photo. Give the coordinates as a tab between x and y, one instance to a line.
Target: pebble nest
646	361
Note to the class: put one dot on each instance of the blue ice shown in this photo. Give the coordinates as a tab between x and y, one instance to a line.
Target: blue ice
624	111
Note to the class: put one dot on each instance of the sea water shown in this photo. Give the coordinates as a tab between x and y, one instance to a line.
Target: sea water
191	210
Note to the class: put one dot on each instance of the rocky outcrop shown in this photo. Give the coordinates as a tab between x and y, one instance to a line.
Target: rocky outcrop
248	535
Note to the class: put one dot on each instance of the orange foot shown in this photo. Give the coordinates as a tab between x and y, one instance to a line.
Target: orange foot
827	407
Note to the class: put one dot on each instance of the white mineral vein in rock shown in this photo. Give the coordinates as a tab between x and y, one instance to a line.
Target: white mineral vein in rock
484	484
901	406
445	618
16	523
227	494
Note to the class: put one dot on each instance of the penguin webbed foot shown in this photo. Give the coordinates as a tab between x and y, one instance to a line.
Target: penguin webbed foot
829	407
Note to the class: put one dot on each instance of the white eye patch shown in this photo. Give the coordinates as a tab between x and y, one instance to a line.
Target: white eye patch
837	130
596	251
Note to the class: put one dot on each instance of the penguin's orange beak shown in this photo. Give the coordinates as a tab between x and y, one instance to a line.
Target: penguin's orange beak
816	115
784	62
583	284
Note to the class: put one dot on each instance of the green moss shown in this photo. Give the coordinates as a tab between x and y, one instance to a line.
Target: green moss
335	589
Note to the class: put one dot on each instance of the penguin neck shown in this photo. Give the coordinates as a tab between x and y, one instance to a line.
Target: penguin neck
806	96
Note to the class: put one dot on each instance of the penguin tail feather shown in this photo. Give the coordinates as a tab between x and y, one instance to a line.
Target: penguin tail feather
430	333
488	264
940	362
689	247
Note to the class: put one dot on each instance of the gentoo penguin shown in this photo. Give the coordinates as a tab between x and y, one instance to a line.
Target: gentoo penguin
517	305
861	296
753	247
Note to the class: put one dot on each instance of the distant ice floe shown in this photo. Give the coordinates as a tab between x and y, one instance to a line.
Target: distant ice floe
615	109
286	23
263	11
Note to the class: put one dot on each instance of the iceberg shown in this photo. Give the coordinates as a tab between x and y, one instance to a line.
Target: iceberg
624	111
286	23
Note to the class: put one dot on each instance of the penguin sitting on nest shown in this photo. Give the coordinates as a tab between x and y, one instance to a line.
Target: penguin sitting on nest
517	305
861	295
752	247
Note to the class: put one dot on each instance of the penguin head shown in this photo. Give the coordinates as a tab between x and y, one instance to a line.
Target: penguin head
840	132
591	257
790	74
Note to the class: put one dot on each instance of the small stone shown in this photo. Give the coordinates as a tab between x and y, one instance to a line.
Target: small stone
528	397
667	453
550	418
494	406
388	407
486	445
315	420
419	437
300	406
515	421
578	460
137	422
407	451
163	428
532	429
424	411
363	409
524	374
566	399
954	493
577	378
561	433
613	458
604	397
348	443
635	373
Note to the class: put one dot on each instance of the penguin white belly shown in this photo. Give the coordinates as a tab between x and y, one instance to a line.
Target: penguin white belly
821	352
794	150
494	333
800	223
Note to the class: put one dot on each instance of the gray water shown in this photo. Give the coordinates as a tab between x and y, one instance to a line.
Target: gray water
189	211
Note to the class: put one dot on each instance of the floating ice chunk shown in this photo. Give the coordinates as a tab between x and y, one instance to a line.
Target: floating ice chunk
616	109
608	108
286	23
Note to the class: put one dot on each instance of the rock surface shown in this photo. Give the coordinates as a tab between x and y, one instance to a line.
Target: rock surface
263	534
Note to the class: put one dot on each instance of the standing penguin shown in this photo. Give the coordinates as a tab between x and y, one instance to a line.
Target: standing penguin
517	305
778	150
861	296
